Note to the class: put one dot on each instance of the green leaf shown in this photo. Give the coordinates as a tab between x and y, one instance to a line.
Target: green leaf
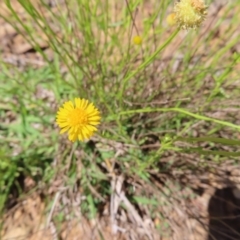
144	200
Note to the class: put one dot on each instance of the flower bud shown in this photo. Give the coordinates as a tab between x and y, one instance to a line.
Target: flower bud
137	40
171	19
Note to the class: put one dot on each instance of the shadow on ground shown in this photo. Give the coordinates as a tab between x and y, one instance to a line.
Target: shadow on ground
224	215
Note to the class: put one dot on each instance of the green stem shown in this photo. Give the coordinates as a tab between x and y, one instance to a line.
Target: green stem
145	63
183	111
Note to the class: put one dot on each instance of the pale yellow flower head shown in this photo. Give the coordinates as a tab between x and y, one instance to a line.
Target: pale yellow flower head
79	118
171	19
190	13
137	40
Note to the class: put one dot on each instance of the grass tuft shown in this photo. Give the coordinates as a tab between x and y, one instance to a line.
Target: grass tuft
169	105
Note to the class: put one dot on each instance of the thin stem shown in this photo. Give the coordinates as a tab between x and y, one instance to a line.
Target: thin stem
145	63
183	111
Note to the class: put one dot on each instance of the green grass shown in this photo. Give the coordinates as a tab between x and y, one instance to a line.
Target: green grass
151	97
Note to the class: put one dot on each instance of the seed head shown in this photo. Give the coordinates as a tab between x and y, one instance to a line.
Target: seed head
190	13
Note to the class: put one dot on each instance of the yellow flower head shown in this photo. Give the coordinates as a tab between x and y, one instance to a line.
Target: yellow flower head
137	40
79	118
190	13
171	19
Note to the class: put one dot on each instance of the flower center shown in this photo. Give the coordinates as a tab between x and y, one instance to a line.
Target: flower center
77	117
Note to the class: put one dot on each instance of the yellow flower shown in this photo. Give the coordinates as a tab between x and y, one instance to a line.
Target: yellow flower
137	40
190	13
79	118
171	19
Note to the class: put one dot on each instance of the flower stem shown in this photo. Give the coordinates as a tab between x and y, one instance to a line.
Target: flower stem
145	63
